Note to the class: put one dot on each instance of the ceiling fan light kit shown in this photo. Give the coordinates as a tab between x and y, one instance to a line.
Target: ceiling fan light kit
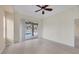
43	8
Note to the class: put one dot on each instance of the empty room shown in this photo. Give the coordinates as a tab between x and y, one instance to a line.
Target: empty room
39	29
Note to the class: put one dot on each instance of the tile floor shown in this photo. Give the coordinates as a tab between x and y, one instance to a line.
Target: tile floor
40	46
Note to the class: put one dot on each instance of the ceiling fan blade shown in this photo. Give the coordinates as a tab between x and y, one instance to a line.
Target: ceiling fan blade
43	12
39	6
37	10
45	6
48	9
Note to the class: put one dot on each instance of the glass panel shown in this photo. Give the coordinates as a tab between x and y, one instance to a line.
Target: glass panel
35	30
28	31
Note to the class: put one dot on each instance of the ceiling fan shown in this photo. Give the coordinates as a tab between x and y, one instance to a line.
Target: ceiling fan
43	8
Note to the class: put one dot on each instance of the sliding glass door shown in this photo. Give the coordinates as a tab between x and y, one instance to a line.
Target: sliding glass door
31	30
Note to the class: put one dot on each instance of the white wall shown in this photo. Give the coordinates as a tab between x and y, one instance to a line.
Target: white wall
60	27
77	28
16	28
2	39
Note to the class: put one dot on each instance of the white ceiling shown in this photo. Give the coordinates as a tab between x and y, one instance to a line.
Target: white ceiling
30	10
